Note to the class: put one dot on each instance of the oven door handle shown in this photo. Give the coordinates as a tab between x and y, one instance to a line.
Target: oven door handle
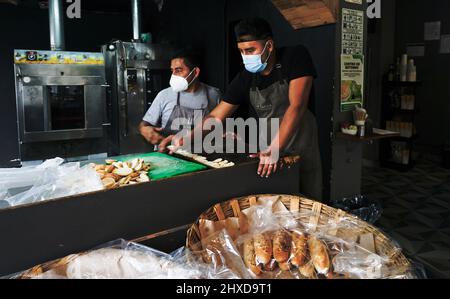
124	113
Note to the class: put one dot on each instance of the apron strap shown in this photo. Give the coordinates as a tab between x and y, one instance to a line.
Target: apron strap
254	84
278	69
207	96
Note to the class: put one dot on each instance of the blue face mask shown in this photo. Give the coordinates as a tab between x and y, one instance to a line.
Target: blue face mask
254	64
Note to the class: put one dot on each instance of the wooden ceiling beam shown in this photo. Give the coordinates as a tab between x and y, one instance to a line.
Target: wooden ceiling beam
308	13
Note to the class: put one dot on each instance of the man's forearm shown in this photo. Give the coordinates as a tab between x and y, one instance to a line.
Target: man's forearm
144	126
291	121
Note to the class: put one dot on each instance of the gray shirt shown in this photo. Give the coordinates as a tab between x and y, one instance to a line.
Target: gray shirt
159	113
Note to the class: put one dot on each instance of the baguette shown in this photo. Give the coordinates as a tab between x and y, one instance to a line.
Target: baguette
250	257
319	255
298	254
282	246
263	248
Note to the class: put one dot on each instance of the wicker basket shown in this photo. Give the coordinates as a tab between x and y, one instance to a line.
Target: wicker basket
59	267
320	214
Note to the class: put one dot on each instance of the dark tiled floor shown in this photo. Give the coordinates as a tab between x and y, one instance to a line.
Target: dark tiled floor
416	212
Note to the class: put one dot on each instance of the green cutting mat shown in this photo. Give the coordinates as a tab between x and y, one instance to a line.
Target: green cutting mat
162	166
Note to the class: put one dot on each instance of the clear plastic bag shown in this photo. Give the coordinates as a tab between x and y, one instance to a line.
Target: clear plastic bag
50	180
220	257
16	181
119	260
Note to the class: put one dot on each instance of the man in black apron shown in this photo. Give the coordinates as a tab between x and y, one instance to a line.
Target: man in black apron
177	107
277	84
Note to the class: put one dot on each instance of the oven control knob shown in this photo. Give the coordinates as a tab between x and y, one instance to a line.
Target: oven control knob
26	80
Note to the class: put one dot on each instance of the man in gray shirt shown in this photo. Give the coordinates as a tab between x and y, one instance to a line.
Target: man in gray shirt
185	100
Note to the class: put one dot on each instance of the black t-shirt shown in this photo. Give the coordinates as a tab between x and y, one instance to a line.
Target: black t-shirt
296	62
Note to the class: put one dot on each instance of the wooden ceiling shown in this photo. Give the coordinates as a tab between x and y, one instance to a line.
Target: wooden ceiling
308	13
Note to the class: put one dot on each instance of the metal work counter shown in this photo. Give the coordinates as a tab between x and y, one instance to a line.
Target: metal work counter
33	234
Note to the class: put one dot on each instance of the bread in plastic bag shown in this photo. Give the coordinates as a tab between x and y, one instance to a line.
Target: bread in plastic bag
118	260
279	244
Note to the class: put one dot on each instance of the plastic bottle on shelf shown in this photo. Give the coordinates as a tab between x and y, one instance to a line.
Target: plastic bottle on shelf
411	71
404	68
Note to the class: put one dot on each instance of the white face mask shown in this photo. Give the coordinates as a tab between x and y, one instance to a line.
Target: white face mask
180	84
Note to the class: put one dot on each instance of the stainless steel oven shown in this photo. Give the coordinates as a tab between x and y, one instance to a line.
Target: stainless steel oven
136	72
61	99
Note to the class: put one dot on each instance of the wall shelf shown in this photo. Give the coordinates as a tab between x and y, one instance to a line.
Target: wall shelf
391	112
368	138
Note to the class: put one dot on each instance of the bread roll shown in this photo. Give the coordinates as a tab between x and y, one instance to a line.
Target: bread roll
319	255
250	257
263	248
299	249
282	246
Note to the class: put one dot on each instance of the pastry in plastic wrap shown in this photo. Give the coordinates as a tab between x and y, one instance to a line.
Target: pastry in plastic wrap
282	246
319	255
250	257
112	263
299	250
263	248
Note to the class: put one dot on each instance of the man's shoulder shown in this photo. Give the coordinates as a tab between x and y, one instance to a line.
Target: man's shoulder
212	90
166	92
166	95
244	77
290	51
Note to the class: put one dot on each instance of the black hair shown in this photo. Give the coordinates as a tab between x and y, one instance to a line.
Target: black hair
253	29
190	56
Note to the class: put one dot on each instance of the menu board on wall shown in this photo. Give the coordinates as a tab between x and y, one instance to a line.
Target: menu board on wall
352	32
352	82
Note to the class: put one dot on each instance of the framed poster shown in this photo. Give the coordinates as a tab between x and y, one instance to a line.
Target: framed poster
352	32
352	82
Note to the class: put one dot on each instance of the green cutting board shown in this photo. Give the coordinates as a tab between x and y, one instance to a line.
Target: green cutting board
163	166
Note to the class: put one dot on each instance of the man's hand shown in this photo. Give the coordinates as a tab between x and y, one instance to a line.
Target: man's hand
175	140
268	163
152	135
165	143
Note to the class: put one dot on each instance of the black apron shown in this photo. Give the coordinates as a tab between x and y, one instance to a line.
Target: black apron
272	103
186	116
